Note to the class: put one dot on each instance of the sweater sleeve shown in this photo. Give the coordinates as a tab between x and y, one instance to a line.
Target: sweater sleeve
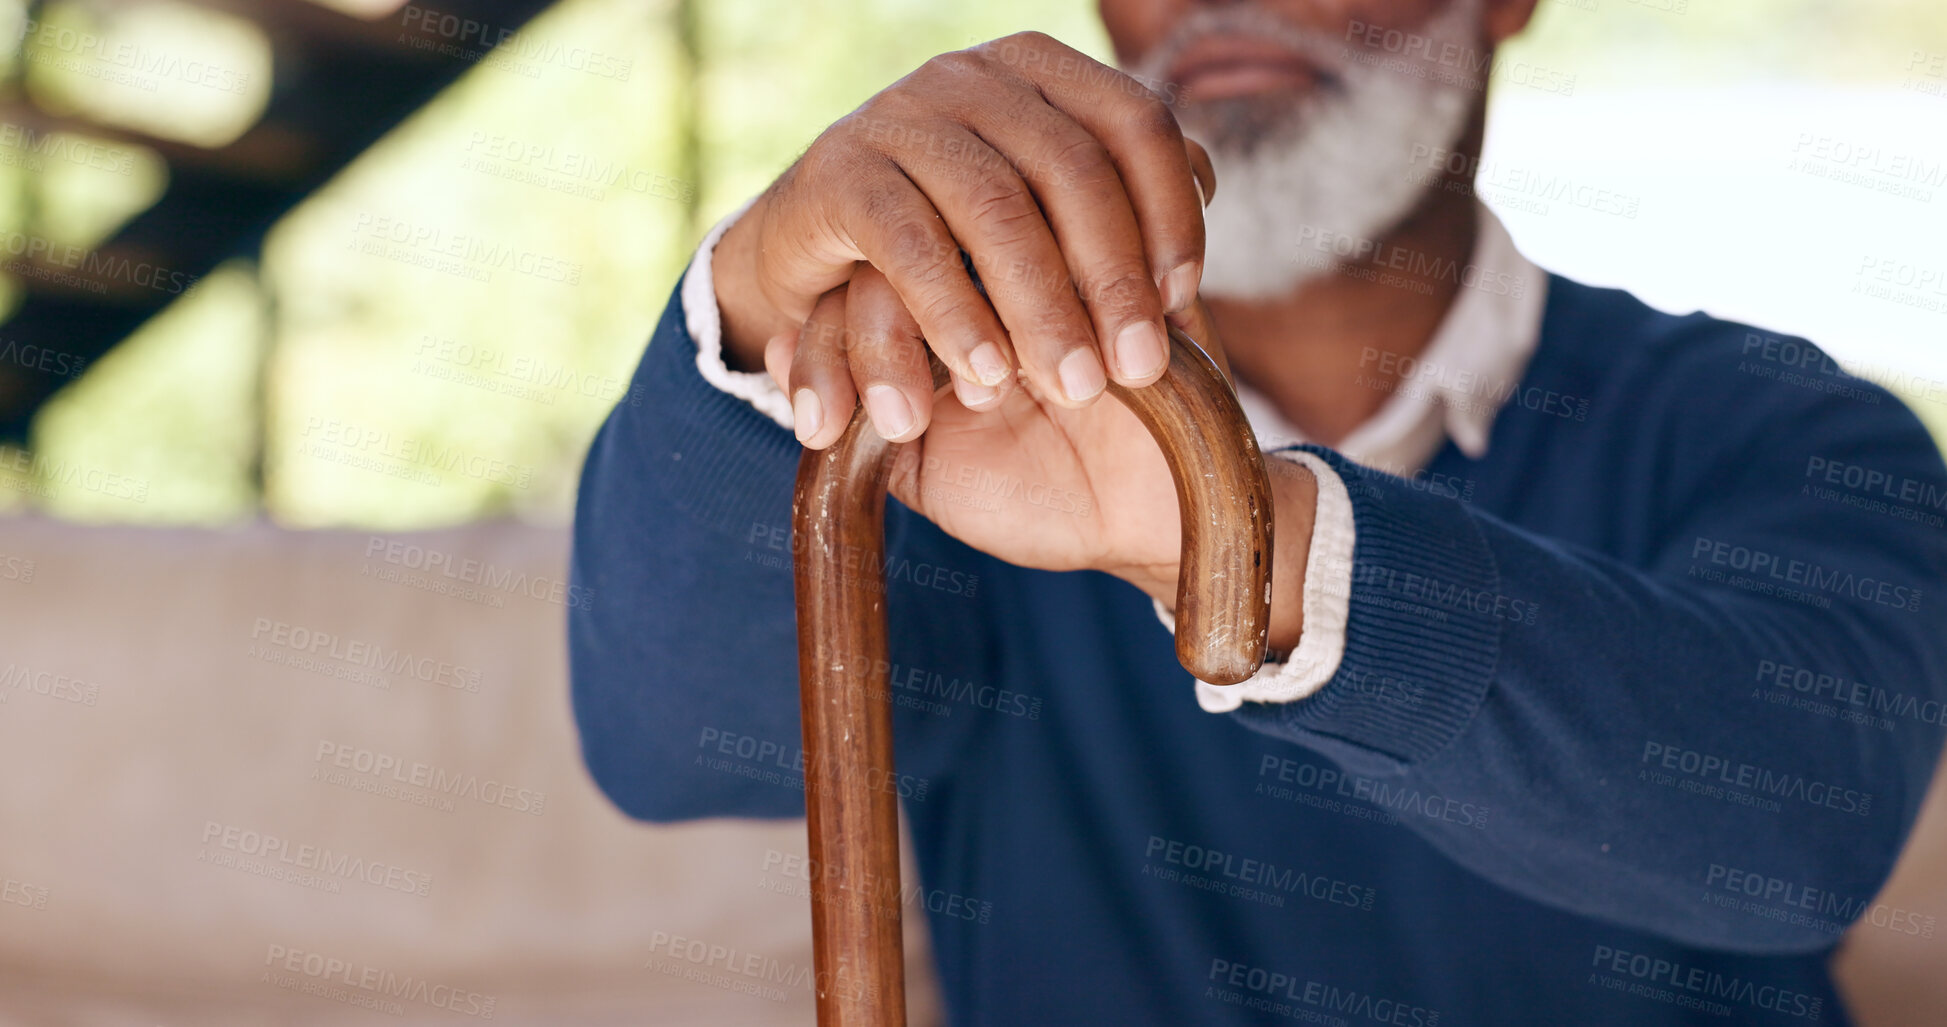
1632	735
683	647
683	654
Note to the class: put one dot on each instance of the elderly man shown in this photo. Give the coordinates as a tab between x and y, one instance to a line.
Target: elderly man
1606	666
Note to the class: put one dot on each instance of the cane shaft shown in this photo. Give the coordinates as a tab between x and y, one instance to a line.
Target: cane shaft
838	526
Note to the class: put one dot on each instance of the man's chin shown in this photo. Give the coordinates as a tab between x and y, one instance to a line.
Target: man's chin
1240	124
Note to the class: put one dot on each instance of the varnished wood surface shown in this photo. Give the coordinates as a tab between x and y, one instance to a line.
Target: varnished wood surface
838	530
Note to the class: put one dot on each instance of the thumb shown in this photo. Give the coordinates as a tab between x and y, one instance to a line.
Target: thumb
1195	321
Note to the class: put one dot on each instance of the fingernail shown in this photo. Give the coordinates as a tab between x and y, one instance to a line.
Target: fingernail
891	414
1139	350
973	395
807	414
989	365
1081	375
1180	286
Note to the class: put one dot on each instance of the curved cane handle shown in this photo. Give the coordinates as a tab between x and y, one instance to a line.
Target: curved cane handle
1223	616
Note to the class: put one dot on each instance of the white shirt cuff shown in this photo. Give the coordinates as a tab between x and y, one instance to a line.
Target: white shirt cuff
1328	601
705	322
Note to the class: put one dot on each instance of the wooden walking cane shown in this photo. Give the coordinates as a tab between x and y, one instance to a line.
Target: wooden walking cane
1223	614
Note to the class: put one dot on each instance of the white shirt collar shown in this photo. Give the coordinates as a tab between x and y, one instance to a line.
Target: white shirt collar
1456	386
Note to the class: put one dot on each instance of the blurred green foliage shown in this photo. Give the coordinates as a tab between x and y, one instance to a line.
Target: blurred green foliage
436	335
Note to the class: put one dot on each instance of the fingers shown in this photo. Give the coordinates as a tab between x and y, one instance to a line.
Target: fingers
820	387
994	214
1205	172
1195	321
1141	136
1100	244
897	229
887	359
1069	184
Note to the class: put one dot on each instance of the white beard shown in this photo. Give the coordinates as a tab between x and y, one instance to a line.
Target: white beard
1335	165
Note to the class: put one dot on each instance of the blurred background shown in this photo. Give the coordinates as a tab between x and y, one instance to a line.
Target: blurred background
291	287
309	221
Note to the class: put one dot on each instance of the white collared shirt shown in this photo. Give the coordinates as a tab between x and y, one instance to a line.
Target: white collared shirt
1453	389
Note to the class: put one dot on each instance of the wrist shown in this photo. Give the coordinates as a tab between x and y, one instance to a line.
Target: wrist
749	320
1294	495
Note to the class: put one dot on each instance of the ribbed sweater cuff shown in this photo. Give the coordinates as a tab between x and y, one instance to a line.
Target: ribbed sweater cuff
722	462
1423	635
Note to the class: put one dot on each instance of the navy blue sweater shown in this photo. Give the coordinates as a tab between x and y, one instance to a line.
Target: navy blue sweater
1634	713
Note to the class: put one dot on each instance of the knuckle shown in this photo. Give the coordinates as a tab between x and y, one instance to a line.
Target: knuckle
1028	283
938	305
1081	162
889	361
1153	120
1123	289
911	242
957	65
1003	209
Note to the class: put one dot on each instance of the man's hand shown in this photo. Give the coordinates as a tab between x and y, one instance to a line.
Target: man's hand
1080	204
1036	483
1067	182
